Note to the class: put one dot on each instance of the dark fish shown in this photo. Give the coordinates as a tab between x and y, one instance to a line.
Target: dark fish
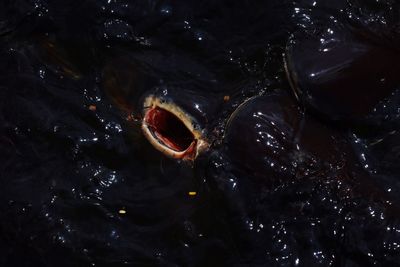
271	138
176	99
176	120
270	143
343	70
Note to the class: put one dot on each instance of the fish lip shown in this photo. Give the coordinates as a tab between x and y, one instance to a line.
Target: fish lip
191	152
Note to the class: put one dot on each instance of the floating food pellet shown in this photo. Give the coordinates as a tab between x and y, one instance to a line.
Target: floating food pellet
226	98
192	193
122	211
92	107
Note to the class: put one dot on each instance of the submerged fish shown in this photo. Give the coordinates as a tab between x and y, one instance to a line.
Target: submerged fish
270	137
343	70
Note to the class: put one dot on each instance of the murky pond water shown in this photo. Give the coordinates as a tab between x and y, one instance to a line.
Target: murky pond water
80	185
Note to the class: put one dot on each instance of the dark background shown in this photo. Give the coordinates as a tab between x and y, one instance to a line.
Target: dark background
66	170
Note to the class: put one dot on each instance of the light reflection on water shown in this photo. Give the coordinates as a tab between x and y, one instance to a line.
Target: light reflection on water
80	185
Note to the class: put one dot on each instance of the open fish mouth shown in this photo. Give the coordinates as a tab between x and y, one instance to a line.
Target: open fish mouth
171	130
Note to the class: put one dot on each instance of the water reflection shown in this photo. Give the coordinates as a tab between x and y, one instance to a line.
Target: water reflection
80	183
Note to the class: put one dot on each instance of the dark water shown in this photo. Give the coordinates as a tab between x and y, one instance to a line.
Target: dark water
81	186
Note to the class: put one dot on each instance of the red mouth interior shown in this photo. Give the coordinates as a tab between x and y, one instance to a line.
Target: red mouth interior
169	129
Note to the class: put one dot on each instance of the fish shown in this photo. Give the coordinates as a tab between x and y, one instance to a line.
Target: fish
342	70
178	102
175	121
272	138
